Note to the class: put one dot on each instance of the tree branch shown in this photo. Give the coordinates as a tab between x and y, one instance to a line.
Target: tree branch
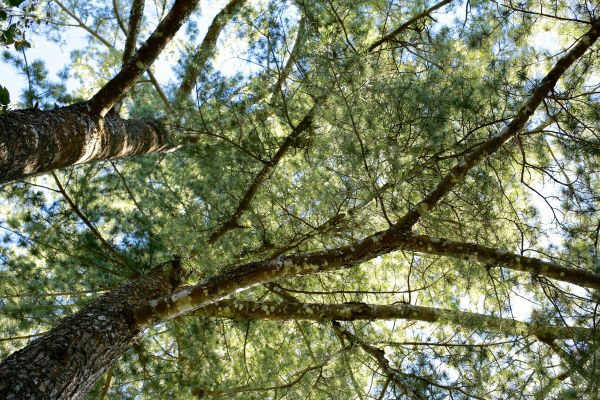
22	337
293	310
293	58
459	171
201	393
107	246
206	48
109	94
251	274
379	355
247	275
135	18
500	258
83	25
39	141
341	332
391	36
105	42
109	375
264	173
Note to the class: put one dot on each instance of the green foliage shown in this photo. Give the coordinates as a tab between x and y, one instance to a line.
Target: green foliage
387	127
4	98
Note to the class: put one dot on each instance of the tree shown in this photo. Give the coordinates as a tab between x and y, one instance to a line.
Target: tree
352	215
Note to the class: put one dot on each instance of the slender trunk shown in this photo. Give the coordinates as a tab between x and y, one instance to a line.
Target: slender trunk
34	141
67	362
206	49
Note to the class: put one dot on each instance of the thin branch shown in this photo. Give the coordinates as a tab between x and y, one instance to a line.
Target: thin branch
118	17
127	189
75	293
11	338
379	356
392	35
333	222
200	393
264	173
106	386
540	13
83	25
111	250
570	361
293	58
158	88
459	171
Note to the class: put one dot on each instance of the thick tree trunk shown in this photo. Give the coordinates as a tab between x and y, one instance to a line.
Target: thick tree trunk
34	141
65	363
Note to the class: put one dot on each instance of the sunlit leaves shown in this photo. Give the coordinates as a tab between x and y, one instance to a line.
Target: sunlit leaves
387	127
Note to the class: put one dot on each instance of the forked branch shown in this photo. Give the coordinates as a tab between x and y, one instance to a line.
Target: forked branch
110	93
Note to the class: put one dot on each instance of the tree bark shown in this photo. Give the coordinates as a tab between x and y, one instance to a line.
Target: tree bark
67	362
34	141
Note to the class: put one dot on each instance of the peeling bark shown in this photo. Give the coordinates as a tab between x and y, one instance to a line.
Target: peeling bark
67	362
34	141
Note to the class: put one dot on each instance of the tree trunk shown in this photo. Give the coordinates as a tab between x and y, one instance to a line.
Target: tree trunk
67	362
34	141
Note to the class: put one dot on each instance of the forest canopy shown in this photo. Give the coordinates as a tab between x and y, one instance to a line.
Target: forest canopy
301	199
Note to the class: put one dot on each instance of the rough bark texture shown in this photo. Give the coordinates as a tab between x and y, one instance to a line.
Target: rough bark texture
135	18
34	141
67	362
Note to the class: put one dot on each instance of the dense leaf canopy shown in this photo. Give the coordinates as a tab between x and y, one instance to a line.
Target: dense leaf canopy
311	125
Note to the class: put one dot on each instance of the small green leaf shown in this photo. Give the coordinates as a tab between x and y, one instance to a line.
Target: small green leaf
15	3
4	96
9	35
22	44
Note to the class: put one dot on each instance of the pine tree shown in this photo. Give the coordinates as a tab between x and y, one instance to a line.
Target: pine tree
383	202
